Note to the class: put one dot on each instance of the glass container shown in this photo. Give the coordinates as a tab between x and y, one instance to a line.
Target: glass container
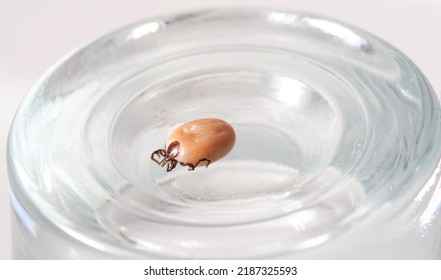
337	152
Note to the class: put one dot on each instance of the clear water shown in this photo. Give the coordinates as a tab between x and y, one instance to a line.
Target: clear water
337	140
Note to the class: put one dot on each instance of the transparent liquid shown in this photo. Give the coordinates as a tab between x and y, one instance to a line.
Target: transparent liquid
336	148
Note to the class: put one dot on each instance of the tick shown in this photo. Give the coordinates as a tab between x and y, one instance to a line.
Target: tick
196	142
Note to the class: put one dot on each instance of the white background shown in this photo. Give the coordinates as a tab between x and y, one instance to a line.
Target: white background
36	33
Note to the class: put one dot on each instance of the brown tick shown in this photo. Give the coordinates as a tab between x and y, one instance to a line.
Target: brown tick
195	142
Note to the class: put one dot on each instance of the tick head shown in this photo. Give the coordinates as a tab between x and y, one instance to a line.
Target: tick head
173	149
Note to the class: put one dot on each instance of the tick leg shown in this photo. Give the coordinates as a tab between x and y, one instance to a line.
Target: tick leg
159	154
171	165
204	159
191	167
